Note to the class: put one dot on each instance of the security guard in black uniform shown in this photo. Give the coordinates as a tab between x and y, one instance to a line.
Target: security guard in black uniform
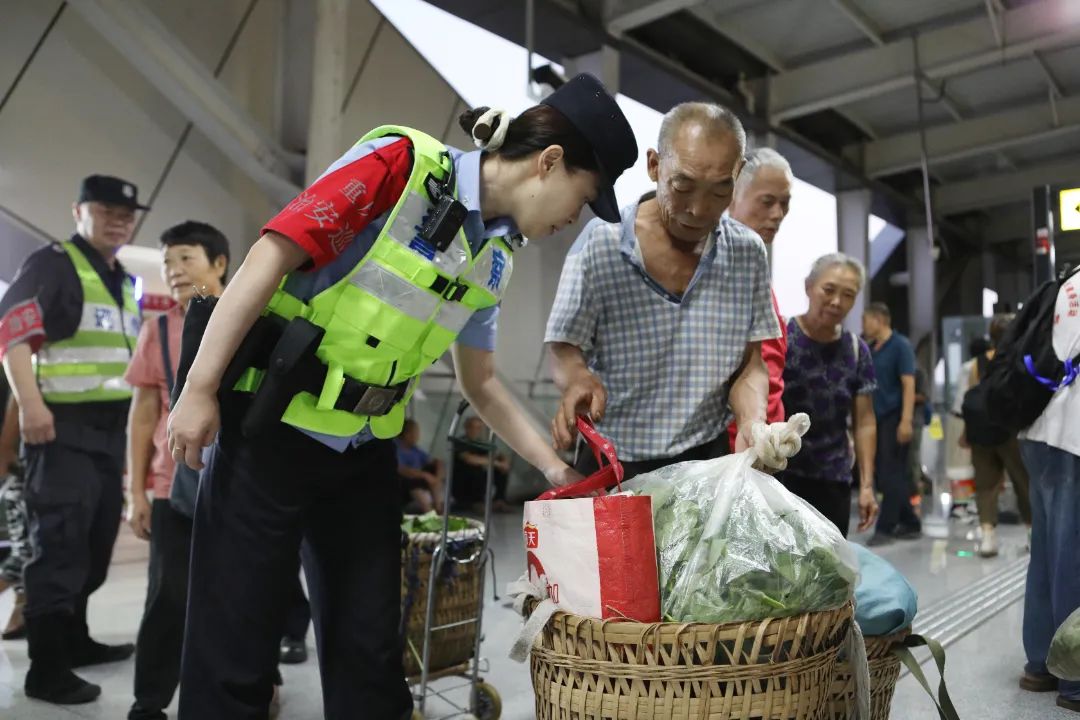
68	326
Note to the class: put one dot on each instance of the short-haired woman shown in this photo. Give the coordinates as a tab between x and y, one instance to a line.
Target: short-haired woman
829	374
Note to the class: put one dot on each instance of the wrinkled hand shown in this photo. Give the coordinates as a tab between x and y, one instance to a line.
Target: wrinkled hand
584	396
193	424
868	508
560	475
36	423
905	432
139	517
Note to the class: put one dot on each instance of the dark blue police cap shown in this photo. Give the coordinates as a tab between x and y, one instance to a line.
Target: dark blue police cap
596	115
110	190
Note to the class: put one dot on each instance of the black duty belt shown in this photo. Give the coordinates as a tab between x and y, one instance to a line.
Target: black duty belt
356	397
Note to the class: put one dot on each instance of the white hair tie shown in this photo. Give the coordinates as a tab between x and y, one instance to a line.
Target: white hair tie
486	125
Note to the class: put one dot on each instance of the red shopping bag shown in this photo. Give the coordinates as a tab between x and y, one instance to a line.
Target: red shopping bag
596	556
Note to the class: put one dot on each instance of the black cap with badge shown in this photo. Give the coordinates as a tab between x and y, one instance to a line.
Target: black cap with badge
110	190
596	115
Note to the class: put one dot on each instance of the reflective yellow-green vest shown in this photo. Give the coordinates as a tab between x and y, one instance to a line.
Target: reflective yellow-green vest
89	366
399	309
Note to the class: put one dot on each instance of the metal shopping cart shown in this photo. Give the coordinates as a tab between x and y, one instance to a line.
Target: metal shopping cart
443	601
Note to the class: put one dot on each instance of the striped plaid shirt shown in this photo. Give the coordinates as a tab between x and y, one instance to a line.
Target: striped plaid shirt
665	361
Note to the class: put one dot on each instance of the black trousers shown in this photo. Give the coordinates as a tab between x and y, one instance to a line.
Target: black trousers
892	467
258	500
299	618
829	497
586	463
74	498
470	482
161	633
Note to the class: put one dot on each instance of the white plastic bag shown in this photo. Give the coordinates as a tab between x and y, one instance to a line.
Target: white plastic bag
734	545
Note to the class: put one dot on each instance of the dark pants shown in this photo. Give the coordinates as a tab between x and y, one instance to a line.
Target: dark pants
161	633
1053	579
891	467
299	618
586	463
829	497
470	482
74	497
991	463
258	501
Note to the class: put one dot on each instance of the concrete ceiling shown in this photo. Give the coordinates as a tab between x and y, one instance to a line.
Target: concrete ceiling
999	79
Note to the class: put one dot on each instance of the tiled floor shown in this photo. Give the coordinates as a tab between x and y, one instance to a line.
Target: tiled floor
983	667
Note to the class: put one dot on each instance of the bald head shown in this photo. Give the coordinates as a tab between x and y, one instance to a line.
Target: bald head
698	155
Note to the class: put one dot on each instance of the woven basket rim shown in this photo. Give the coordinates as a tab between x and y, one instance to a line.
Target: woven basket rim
651	627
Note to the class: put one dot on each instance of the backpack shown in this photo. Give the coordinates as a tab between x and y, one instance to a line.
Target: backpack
980	425
1026	372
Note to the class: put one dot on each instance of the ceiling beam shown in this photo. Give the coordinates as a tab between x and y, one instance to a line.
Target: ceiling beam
714	19
764	54
989	191
860	19
944	52
625	15
1008	225
994	10
971	138
1052	81
144	41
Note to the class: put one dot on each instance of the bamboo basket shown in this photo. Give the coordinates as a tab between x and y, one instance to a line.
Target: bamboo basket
457	598
884	672
774	669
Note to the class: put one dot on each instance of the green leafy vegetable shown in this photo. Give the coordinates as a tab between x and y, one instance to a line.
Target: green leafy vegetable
432	523
733	545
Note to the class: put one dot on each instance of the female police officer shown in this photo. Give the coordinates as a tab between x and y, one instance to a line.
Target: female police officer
402	247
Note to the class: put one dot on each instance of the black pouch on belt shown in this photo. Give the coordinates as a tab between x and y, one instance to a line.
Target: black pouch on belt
251	353
285	373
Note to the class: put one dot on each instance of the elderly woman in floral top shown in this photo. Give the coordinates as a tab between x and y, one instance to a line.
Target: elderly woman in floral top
829	374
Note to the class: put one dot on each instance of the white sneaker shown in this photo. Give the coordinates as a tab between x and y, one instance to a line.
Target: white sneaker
988	546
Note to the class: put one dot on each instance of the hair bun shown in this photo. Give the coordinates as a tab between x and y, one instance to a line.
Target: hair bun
486	126
467	120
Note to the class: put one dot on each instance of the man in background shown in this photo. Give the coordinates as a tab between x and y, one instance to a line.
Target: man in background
894	407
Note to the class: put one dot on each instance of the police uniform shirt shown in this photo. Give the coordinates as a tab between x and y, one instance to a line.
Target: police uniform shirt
44	304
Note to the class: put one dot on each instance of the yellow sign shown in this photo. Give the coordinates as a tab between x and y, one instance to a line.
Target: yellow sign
1070	209
937	432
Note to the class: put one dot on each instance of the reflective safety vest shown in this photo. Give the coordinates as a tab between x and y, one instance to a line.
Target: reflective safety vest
89	366
399	309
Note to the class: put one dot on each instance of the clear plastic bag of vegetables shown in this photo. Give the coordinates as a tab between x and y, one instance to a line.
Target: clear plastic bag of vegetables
734	545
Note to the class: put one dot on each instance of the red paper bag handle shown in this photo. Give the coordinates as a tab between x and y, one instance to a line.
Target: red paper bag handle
607	476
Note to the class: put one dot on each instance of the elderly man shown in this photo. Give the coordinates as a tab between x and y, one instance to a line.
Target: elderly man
761	202
658	321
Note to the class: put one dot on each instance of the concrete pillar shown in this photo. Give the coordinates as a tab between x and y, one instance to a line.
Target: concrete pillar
328	83
1043	231
853	239
602	64
922	286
